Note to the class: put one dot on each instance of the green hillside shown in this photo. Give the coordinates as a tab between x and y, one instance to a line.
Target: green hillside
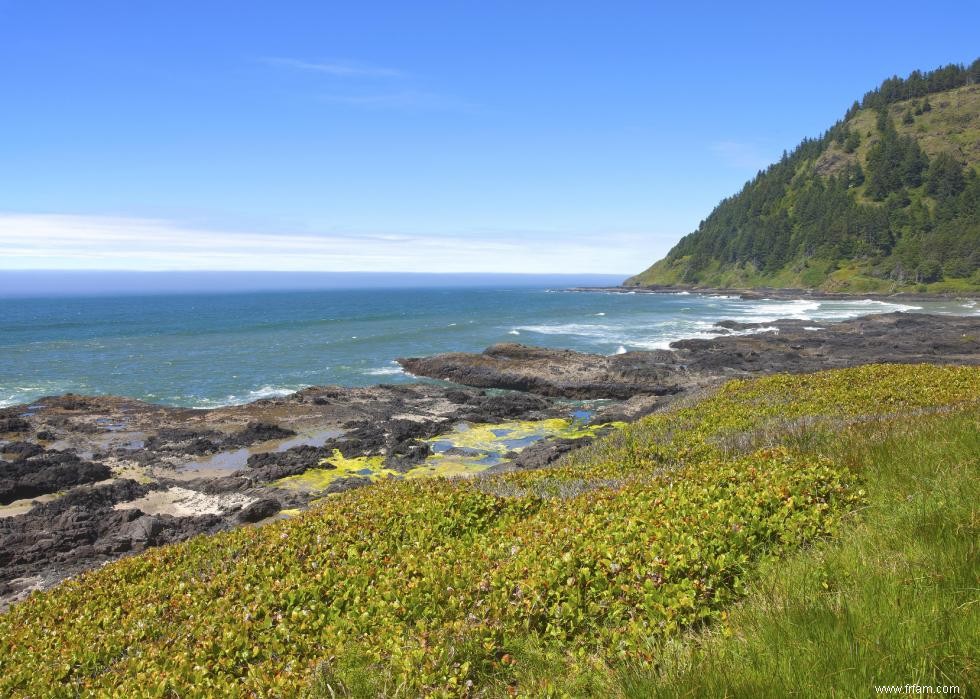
888	199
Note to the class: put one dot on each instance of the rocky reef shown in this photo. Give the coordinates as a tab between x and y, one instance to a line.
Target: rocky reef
741	349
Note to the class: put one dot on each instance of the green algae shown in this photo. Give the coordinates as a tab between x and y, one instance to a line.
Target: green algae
335	467
469	449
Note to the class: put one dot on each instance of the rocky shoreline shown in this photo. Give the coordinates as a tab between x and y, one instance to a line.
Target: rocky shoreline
85	480
789	294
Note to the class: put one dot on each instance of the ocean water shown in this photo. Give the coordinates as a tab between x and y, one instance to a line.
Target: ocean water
207	349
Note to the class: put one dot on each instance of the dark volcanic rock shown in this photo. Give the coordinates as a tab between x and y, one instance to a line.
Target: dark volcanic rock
903	338
47	473
182	441
459	397
258	432
541	454
142	531
22	450
271	466
14	424
81	529
70	402
505	406
550	372
259	510
404	456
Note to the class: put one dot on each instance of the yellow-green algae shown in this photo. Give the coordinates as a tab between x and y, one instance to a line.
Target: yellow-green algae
371	467
468	449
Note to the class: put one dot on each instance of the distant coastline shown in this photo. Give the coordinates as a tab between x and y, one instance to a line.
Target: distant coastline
758	293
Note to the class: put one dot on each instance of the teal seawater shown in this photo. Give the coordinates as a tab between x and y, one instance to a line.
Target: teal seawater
205	350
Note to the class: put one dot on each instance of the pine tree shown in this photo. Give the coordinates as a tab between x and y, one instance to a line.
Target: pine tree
945	177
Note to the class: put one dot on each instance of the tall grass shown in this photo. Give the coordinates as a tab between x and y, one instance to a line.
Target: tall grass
893	602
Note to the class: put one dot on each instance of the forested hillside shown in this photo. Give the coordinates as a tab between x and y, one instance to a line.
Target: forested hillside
887	199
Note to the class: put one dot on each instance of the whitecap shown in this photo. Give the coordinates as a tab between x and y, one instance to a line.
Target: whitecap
601	334
698	330
385	371
513	332
768	310
270	392
15	395
254	395
621	350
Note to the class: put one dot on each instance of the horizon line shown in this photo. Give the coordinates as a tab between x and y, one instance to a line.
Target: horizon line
306	271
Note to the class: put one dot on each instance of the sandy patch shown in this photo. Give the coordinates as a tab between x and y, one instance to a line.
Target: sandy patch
20	507
182	502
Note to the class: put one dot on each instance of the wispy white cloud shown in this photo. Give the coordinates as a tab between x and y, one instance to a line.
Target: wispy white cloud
742	155
356	86
47	241
401	99
341	69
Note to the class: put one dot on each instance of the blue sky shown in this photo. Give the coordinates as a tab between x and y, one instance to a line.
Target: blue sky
416	136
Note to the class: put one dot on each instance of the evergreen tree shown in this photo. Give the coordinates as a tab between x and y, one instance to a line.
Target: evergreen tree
945	178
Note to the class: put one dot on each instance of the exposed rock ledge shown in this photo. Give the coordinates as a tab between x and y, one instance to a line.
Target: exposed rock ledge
781	346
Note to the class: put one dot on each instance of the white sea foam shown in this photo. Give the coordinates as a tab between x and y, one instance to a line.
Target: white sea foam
885	304
257	394
385	371
26	393
600	314
513	332
842	310
768	311
270	392
595	331
704	331
621	350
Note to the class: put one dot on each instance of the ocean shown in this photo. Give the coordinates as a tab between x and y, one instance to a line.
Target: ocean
211	349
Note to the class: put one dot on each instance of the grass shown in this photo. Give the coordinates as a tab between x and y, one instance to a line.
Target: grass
895	601
664	560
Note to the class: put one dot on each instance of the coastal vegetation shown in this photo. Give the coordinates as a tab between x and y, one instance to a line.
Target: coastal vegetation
798	532
887	199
